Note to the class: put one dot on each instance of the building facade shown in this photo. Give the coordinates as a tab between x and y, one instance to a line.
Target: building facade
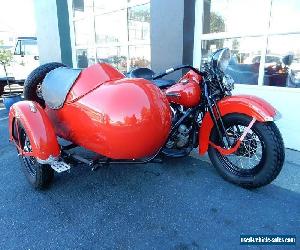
263	35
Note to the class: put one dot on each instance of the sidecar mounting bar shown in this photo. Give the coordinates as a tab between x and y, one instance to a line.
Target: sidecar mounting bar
140	161
70	146
102	161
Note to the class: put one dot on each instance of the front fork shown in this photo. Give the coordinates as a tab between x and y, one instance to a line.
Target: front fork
233	148
227	147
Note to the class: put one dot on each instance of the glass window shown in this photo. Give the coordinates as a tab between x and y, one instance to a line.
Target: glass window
285	15
18	48
82	8
84	32
235	16
111	27
26	47
282	67
139	23
115	56
139	56
85	57
29	47
104	6
138	1
116	32
245	57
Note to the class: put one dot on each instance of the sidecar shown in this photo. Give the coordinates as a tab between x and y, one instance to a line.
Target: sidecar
96	108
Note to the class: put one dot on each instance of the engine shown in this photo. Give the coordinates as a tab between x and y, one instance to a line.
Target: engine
181	137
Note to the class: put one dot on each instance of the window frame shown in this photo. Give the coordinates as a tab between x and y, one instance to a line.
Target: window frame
93	46
18	48
199	36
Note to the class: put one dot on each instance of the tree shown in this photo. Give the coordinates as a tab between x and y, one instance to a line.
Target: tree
217	23
6	58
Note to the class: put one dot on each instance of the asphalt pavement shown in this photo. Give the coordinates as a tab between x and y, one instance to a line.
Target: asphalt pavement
180	204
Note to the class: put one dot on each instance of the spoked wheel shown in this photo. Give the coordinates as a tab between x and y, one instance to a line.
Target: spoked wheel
259	158
39	175
250	156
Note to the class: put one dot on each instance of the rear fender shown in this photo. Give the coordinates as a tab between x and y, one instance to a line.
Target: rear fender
252	106
38	128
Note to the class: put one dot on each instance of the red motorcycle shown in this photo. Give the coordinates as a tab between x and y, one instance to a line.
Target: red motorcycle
137	120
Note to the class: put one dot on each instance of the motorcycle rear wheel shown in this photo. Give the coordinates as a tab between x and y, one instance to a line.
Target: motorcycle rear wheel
262	148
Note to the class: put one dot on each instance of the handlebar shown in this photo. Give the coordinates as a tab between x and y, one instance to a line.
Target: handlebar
171	70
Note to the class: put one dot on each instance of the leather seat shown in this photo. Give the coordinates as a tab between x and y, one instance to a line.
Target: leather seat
142	73
57	84
148	74
163	83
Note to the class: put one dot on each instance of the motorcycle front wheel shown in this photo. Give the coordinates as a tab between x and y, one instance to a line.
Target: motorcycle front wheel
260	157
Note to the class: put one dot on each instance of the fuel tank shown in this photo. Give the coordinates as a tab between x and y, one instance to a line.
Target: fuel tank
187	91
117	117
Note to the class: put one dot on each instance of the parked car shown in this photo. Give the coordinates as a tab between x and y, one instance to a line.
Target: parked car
294	74
25	59
275	71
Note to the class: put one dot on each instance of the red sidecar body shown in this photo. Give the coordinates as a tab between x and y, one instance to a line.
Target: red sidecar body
98	109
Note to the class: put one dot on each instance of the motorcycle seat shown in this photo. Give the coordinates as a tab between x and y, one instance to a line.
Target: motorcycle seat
57	84
148	74
163	83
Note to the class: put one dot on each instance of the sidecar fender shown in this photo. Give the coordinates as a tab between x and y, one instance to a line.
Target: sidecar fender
38	127
243	104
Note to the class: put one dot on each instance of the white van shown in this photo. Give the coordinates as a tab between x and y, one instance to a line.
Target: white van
25	59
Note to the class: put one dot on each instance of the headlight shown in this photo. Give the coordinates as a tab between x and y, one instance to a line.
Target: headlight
221	58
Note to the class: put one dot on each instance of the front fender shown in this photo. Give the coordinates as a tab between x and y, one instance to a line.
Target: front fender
243	104
38	127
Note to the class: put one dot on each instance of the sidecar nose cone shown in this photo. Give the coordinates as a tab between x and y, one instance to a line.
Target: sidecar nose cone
121	119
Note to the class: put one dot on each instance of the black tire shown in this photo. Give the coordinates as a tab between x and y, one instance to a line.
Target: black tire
35	78
43	176
268	166
39	175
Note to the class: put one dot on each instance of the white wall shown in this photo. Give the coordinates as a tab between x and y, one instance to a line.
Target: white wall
287	102
47	31
168	51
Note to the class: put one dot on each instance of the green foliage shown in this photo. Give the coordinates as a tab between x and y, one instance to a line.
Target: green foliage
217	23
6	56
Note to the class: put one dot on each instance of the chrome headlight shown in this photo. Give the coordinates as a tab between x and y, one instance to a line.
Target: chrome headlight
221	58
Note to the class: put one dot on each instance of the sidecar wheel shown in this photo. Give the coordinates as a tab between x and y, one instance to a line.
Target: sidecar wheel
32	85
39	175
260	157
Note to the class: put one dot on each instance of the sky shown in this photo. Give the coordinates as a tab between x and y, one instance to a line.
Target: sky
18	15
